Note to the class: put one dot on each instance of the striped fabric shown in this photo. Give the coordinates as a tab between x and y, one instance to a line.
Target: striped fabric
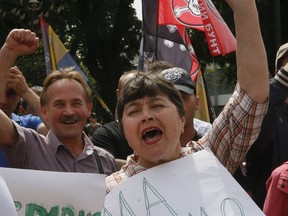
235	129
282	77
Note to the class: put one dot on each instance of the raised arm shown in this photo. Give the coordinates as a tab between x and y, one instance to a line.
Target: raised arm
252	66
17	82
18	42
239	124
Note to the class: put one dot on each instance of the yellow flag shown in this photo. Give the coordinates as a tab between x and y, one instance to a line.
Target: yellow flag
203	112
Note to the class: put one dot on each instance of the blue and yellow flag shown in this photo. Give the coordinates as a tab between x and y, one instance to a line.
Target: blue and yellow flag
56	53
57	57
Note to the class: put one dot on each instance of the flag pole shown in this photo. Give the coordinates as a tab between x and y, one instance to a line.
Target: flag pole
157	29
111	116
142	53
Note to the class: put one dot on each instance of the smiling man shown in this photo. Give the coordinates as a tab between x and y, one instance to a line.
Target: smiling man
66	103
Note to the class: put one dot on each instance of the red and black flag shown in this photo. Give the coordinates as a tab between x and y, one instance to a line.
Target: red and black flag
200	15
165	42
150	23
218	35
170	51
180	12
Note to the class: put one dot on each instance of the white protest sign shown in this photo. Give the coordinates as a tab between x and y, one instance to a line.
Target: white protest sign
194	185
6	202
55	193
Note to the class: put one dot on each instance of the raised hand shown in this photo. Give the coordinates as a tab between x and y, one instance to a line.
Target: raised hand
21	42
17	82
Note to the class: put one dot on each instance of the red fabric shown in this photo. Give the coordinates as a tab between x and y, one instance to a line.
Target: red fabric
276	202
202	16
219	37
195	64
180	12
45	41
173	43
151	27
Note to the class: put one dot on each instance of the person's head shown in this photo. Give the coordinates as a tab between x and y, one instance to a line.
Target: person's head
93	118
151	115
9	102
281	60
123	79
66	103
158	66
281	56
24	107
183	82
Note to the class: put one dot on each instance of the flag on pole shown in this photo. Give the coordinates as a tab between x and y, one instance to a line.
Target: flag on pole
58	57
151	27
218	35
180	12
200	15
175	53
167	42
45	39
56	53
203	113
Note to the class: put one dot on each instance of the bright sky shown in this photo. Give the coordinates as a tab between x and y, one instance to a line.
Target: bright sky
138	6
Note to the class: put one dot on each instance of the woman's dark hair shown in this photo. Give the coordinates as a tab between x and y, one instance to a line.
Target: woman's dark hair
148	85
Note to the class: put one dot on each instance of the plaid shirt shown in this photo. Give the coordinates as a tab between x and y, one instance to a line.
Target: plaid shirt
230	137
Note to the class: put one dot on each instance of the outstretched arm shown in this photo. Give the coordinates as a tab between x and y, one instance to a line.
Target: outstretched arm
18	42
252	65
239	123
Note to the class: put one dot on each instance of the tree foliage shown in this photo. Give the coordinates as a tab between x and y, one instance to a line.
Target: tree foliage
103	35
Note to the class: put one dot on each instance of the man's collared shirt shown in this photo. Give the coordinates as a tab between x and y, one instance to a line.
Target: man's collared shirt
34	151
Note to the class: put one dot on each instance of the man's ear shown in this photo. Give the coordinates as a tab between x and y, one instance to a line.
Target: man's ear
44	118
117	93
43	112
183	123
89	107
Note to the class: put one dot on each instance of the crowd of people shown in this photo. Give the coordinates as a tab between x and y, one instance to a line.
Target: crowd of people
57	130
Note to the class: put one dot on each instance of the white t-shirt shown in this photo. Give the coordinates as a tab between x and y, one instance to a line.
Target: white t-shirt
201	127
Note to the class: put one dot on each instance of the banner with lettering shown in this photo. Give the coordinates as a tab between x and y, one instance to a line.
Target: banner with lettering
6	202
55	193
194	185
218	35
